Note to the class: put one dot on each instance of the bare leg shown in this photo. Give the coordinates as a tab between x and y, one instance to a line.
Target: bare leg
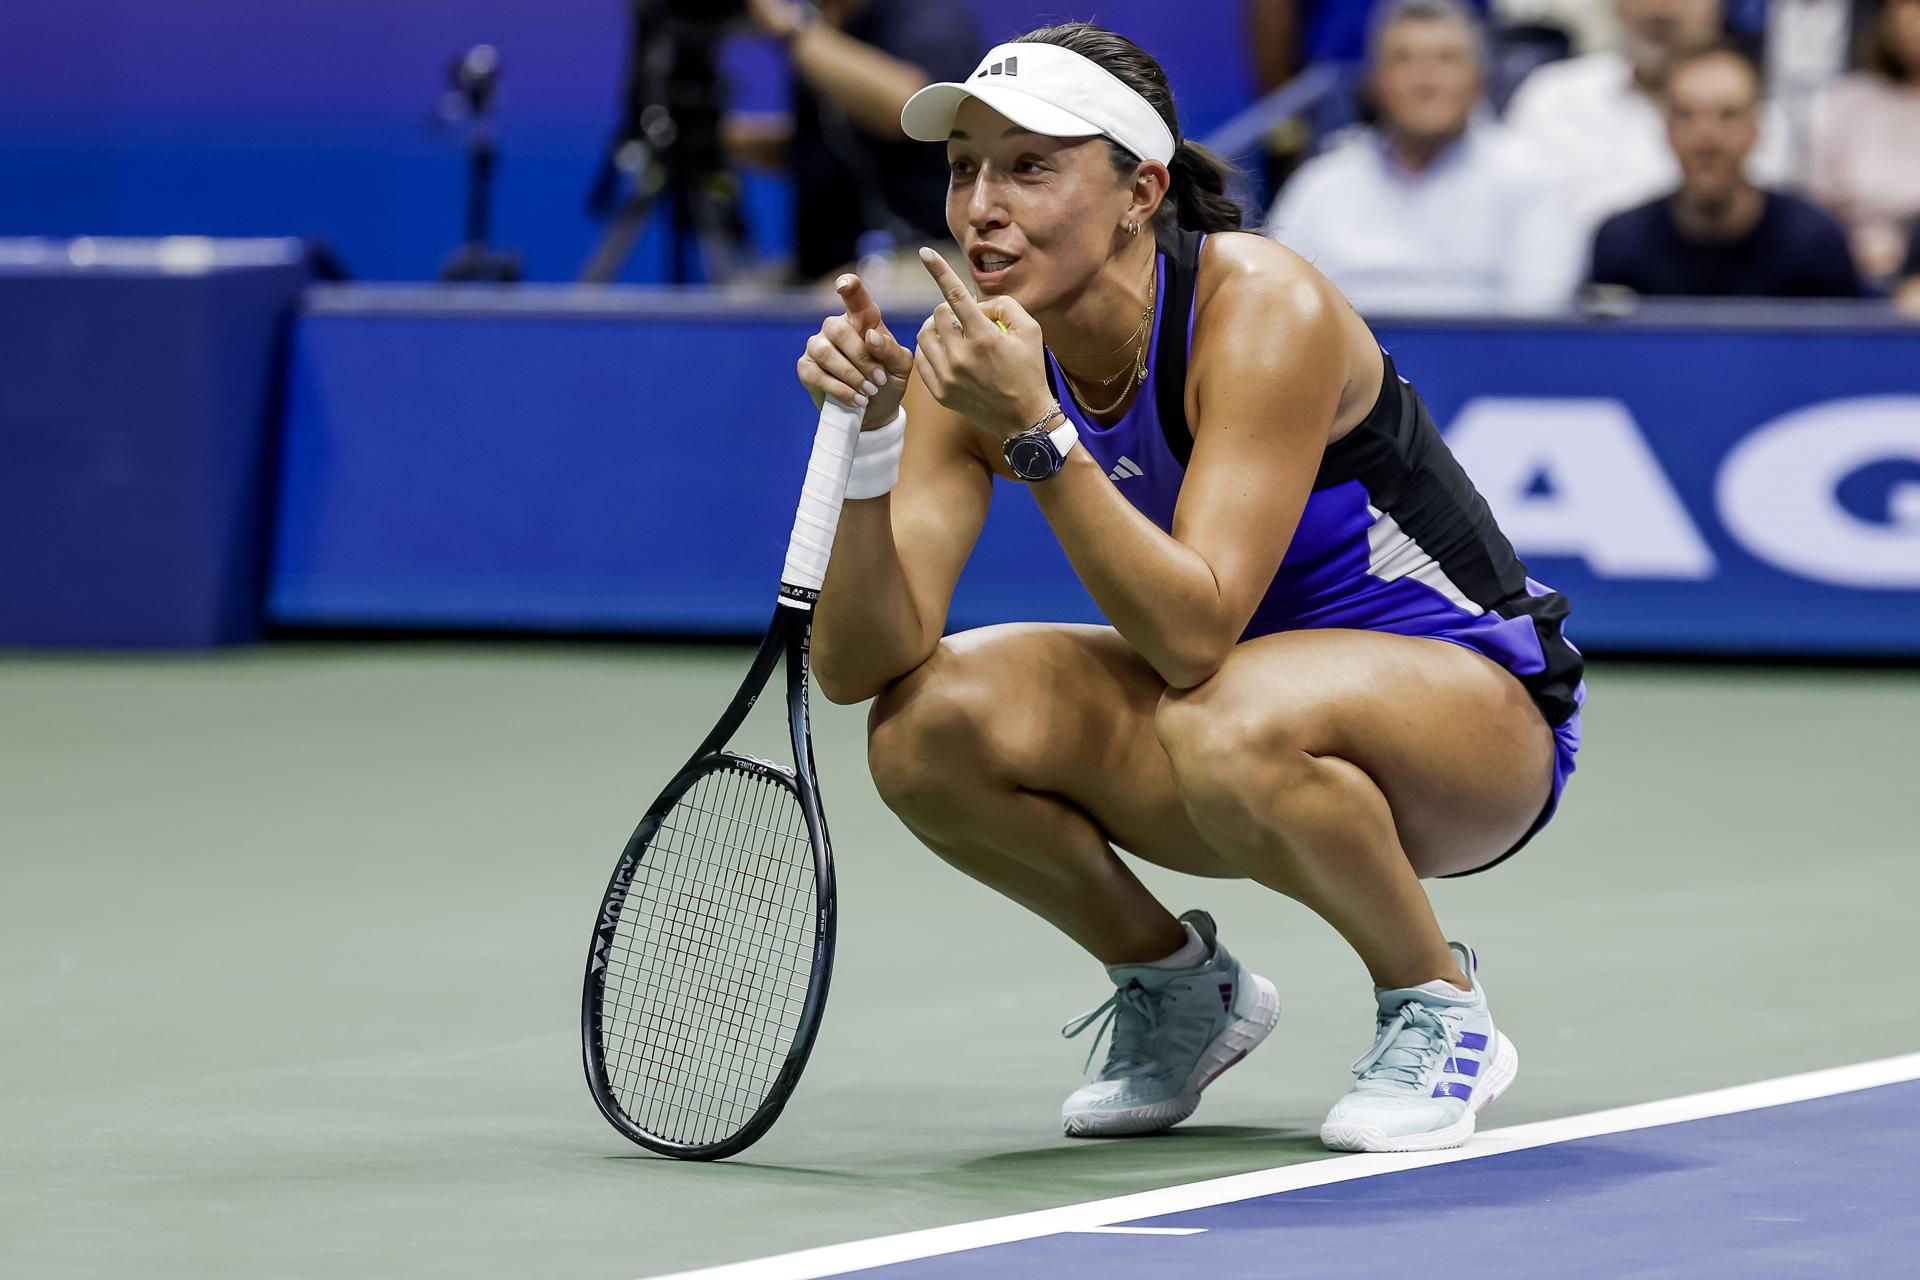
1336	767
973	772
1281	761
1324	836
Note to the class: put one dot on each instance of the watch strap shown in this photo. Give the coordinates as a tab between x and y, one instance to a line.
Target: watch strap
1064	436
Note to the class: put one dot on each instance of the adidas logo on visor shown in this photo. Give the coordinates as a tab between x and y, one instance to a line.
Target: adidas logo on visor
1061	94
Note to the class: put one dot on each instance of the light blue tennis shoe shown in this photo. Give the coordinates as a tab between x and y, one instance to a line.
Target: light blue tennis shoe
1436	1061
1174	1032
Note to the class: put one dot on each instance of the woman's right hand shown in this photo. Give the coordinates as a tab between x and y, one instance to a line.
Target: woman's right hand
855	359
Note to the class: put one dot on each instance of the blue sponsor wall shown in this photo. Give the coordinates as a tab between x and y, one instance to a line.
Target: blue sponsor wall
1729	480
139	411
314	117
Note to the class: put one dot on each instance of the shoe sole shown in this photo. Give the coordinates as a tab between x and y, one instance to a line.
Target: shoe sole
1500	1073
1241	1037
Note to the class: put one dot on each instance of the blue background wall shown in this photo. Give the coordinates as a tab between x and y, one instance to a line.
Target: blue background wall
508	459
313	117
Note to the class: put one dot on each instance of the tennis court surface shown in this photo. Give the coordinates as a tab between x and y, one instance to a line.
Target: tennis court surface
1783	1178
291	941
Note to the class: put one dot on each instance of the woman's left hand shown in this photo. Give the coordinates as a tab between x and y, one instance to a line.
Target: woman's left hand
984	360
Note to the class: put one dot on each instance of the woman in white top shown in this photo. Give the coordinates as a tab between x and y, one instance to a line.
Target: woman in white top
1866	149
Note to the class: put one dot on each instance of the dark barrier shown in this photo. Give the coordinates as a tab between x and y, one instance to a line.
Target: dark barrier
136	403
1708	481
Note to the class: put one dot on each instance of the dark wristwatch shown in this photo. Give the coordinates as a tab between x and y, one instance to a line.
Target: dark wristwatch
1037	453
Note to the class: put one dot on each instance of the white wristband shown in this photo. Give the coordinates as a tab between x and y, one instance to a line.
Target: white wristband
876	459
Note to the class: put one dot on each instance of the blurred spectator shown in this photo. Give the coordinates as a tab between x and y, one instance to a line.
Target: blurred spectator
859	183
1284	37
1338	30
1596	118
1436	208
1866	159
1908	294
1275	42
1719	235
1591	25
1806	44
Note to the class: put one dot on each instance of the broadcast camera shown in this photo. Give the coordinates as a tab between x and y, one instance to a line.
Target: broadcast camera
667	143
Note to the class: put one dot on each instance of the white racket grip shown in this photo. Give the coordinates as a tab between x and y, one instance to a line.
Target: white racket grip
821	497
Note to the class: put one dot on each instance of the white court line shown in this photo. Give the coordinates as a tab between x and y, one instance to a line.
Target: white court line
1140	1231
858	1255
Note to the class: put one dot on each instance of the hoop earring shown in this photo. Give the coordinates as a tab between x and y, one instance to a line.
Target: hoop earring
1133	228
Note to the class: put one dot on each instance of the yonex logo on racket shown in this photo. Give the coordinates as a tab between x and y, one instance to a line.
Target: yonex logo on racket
610	912
603	936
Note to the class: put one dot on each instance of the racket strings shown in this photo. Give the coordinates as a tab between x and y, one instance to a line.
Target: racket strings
707	977
692	983
696	1030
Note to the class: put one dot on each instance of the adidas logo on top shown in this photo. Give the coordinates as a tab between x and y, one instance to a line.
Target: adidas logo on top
1006	66
1125	469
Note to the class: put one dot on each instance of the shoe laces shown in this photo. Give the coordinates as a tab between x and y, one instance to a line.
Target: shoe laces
1133	1014
1407	1045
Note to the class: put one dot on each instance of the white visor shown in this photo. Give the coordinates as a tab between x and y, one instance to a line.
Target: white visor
1049	90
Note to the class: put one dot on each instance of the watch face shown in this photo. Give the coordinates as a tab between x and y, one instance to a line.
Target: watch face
1030	457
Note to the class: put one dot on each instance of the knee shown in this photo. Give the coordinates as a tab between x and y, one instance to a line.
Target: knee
931	736
1234	746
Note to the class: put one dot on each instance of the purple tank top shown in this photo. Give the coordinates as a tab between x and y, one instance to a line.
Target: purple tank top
1133	451
1393	536
1320	565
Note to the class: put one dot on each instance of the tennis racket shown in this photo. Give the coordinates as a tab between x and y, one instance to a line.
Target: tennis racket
711	953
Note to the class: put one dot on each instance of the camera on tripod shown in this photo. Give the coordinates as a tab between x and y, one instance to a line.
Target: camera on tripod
667	145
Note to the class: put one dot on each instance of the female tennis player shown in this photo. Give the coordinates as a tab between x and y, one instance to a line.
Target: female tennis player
1326	671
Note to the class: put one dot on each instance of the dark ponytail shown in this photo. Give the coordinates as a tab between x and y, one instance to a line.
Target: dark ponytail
1199	192
1197	198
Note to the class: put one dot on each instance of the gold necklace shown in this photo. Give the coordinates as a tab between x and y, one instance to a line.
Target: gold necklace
1136	367
1128	341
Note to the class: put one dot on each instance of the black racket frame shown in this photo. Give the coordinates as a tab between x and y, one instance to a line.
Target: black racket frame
789	637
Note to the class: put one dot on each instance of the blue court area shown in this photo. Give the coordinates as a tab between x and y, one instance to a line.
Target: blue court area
1827	1187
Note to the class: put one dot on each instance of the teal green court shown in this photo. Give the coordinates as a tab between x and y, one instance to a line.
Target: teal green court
291	942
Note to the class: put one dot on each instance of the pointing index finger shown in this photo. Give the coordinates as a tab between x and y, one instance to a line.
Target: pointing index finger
861	308
965	309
